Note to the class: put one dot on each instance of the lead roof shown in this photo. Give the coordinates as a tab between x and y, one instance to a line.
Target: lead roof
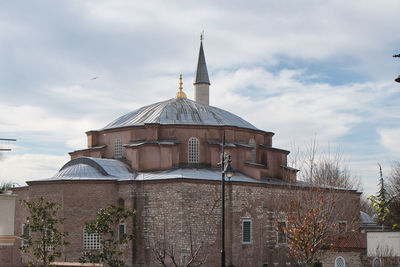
179	111
201	72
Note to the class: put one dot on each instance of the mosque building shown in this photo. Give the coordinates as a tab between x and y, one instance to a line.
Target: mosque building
162	160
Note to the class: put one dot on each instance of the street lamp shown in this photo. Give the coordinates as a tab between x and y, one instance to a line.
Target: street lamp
226	169
398	78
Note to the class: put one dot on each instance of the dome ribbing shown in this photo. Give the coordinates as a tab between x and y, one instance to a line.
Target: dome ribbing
179	111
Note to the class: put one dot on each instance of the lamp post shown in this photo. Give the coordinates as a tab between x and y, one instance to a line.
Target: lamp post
398	78
228	171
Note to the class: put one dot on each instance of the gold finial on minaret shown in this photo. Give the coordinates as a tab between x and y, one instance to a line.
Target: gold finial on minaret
180	94
201	36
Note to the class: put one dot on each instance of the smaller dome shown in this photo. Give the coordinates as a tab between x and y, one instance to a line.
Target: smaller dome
365	218
86	168
80	171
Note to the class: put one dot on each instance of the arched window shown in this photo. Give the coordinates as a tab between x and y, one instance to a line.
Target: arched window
252	142
117	149
377	263
339	262
193	153
121	203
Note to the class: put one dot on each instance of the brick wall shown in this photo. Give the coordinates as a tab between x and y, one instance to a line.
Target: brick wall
181	214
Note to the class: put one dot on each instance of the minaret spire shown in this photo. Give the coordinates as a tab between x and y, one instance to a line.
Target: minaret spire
201	81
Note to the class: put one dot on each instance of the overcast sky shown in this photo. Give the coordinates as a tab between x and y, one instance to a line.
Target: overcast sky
297	68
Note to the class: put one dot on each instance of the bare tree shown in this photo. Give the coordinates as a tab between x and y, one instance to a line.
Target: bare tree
324	168
393	191
313	219
316	215
165	253
385	256
365	206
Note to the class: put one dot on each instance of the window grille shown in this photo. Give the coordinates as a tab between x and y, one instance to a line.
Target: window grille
25	235
246	231
48	238
91	241
193	150
118	149
339	262
252	143
282	238
121	233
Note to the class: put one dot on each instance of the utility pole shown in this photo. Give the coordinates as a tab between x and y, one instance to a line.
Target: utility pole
398	78
8	140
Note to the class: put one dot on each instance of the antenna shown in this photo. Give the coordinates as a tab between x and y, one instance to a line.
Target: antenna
8	140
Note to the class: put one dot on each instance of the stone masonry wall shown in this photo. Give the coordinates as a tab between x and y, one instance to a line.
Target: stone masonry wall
186	214
183	215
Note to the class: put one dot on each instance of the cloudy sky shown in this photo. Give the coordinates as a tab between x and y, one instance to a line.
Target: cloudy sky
297	68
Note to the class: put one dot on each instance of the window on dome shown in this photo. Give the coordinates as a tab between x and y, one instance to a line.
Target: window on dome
91	241
118	149
193	150
252	143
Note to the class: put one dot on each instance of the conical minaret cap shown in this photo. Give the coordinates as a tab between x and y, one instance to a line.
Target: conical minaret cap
201	72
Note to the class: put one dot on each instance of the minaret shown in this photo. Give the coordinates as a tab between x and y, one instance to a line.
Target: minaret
201	81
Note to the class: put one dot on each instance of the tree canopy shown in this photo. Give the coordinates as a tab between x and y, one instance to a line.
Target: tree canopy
106	225
46	239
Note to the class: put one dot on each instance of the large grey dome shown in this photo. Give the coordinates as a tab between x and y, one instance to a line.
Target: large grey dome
179	111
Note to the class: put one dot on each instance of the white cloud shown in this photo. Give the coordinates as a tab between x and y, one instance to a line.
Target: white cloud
25	121
25	167
284	104
138	49
389	138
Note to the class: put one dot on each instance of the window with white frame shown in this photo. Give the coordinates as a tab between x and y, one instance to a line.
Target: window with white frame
252	143
281	232
340	262
91	241
118	149
121	233
193	147
246	231
25	235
